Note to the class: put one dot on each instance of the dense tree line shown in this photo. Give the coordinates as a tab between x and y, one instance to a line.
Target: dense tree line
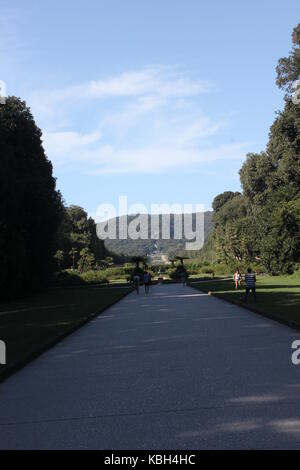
37	233
30	206
262	223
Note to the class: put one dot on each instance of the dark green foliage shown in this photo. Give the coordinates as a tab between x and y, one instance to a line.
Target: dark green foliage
86	261
59	259
220	200
78	240
256	175
284	148
30	205
280	246
72	277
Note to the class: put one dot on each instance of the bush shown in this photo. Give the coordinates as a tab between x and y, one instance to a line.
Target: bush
94	277
194	268
208	270
75	278
223	269
114	272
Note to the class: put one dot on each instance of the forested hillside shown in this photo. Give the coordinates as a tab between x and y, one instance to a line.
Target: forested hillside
143	247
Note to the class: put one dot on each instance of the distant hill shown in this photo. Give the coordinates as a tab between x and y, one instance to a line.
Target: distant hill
149	246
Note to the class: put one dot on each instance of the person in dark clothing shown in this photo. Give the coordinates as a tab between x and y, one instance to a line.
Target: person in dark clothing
250	280
147	281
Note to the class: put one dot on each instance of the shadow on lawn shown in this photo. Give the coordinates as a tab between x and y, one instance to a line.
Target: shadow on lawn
278	286
283	305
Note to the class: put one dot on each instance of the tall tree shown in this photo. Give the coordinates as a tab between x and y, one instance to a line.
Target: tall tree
30	205
284	148
264	222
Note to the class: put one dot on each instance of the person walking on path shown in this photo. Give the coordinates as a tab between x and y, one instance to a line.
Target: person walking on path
136	283
147	280
183	277
237	278
250	279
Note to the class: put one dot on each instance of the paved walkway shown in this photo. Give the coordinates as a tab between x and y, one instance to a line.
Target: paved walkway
172	369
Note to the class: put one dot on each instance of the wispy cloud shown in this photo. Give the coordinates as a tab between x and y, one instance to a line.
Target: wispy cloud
151	159
148	121
152	81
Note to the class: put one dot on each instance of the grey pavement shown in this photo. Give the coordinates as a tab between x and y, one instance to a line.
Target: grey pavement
174	369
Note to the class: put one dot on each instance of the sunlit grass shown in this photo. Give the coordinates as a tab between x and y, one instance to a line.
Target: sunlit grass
276	295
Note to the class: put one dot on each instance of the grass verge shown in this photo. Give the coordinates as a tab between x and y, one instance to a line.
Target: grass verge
30	326
278	297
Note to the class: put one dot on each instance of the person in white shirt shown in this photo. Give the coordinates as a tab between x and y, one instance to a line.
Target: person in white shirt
237	278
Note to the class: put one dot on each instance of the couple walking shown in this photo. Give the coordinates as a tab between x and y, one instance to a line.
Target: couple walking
146	279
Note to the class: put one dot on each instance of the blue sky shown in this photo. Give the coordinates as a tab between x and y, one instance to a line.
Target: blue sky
156	100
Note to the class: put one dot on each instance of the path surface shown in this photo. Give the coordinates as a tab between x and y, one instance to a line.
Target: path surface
174	369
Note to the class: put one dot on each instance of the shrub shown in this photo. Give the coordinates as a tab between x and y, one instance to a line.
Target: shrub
94	277
208	270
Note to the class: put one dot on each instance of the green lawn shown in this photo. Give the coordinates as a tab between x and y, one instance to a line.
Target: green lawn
278	296
30	324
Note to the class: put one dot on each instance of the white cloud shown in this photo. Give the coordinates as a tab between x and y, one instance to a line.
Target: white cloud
155	160
157	80
149	124
68	146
